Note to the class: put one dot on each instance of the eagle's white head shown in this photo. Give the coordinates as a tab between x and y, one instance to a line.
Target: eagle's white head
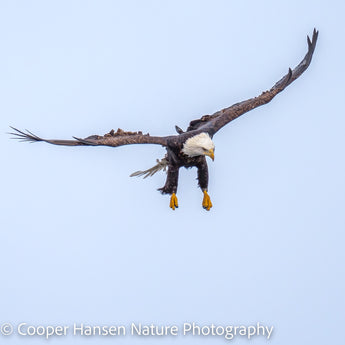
199	145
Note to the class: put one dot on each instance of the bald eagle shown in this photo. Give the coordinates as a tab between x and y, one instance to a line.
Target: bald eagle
189	148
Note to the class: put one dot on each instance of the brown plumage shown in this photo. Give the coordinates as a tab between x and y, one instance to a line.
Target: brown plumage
209	124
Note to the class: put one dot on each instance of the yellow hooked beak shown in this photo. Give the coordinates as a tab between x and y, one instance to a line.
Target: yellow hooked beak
210	153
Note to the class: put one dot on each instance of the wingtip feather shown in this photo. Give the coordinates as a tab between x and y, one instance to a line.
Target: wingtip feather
309	42
22	136
312	42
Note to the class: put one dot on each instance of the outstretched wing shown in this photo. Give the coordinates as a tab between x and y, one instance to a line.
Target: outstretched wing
112	138
213	123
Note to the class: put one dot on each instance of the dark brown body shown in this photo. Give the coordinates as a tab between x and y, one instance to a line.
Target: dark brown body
177	159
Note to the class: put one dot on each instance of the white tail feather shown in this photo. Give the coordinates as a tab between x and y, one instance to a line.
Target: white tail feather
161	165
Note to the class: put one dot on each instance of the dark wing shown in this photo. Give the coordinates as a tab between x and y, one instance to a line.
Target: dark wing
213	123
112	138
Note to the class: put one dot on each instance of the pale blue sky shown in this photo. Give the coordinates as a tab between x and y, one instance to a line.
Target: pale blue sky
81	241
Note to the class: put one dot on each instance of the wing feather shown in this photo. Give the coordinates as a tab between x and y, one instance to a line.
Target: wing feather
213	123
112	139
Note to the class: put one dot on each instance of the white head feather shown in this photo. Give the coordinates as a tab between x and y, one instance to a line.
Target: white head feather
198	145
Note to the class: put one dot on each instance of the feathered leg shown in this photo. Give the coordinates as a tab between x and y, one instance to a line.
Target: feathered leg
170	186
203	184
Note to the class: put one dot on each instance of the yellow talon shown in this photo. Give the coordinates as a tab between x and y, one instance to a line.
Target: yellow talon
206	202
173	201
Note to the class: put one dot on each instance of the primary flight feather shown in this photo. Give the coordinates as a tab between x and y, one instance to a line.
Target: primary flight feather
189	148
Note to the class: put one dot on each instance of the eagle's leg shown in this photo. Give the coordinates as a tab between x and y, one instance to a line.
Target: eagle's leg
203	183
206	202
170	186
173	201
